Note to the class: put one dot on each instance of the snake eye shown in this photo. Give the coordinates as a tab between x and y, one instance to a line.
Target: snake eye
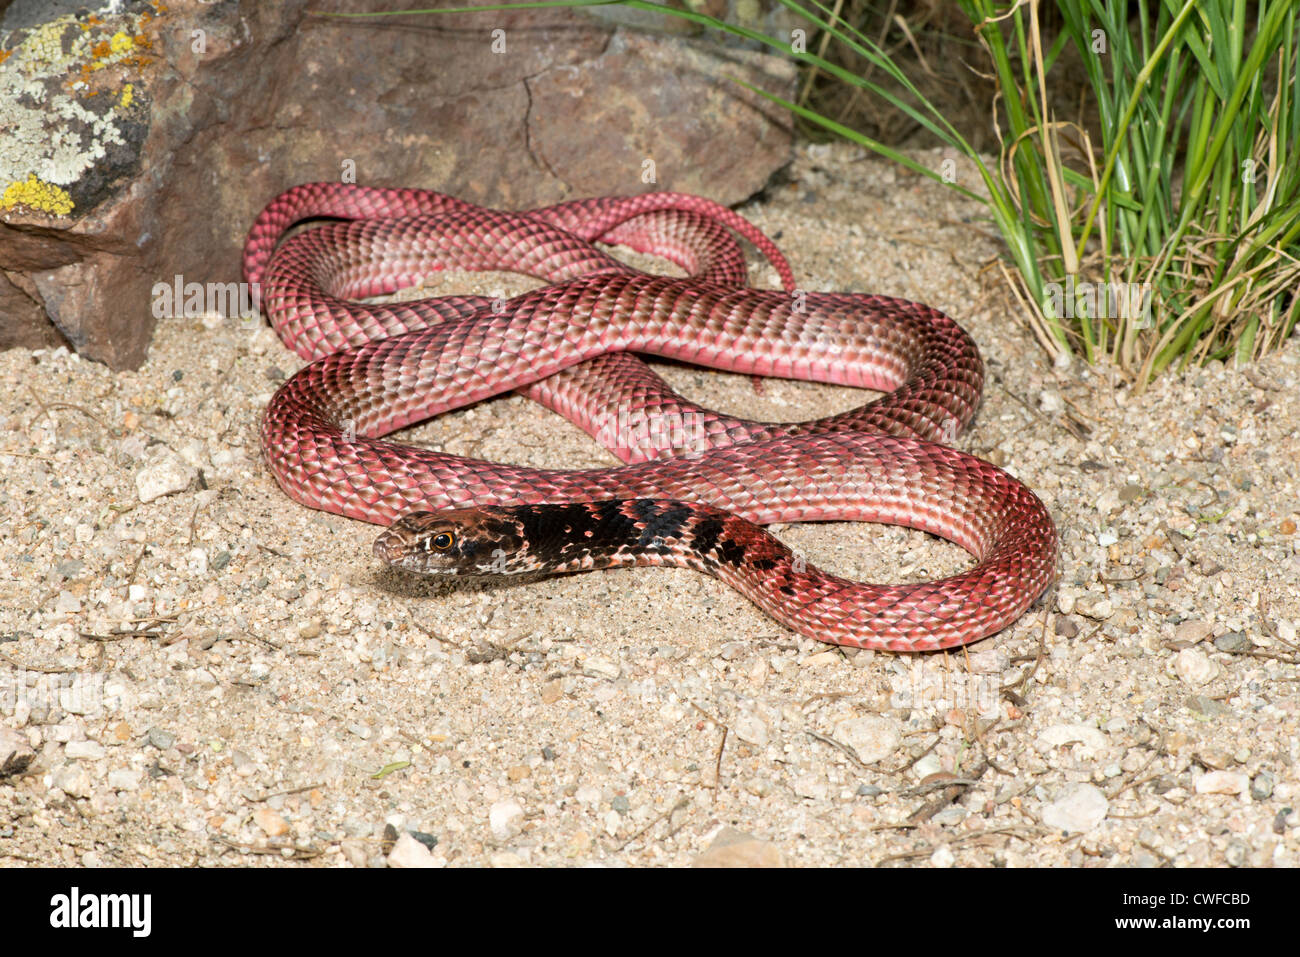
443	541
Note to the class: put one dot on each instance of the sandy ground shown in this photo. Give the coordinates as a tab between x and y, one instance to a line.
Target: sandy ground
220	676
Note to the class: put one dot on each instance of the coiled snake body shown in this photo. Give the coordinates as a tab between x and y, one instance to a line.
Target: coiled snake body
569	345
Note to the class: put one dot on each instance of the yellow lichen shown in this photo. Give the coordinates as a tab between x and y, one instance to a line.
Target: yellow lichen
128	94
121	42
37	194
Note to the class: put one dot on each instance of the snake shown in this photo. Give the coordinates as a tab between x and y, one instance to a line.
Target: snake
696	494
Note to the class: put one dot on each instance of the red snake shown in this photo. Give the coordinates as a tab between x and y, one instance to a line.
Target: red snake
381	367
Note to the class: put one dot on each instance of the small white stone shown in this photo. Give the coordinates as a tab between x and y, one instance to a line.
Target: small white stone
750	728
873	737
1192	631
588	795
165	474
84	532
1194	667
407	852
196	561
502	816
124	779
943	856
1222	782
1061	734
84	750
1080	808
1107	536
71	779
1095	607
601	668
811	786
67	603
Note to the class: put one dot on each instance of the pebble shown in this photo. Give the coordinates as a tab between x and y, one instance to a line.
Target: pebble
1131	493
1079	808
733	848
601	668
943	857
750	728
124	779
1210	708
733	650
821	659
811	786
1066	627
272	824
1233	643
1096	607
1261	786
1193	667
1222	782
71	779
1061	734
1192	631
407	852
165	474
502	817
160	739
873	738
84	750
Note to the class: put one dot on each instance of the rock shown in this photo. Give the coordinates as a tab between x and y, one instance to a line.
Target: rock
821	659
1066	627
1061	734
811	786
1078	809
1233	643
1194	668
16	754
166	473
1222	782
84	750
160	739
1096	607
733	848
72	779
147	173
271	823
124	779
407	852
873	737
354	852
1192	631
601	668
943	857
502	817
1261	786
750	728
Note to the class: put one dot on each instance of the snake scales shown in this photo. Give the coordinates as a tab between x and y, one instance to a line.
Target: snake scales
380	367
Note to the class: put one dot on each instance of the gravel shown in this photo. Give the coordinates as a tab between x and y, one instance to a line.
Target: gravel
195	670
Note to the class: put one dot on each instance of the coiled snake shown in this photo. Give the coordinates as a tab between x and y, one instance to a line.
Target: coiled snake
569	345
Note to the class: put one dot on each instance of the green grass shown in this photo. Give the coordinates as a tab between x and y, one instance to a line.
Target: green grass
1183	196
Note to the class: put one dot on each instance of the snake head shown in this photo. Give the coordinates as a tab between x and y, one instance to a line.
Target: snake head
467	541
